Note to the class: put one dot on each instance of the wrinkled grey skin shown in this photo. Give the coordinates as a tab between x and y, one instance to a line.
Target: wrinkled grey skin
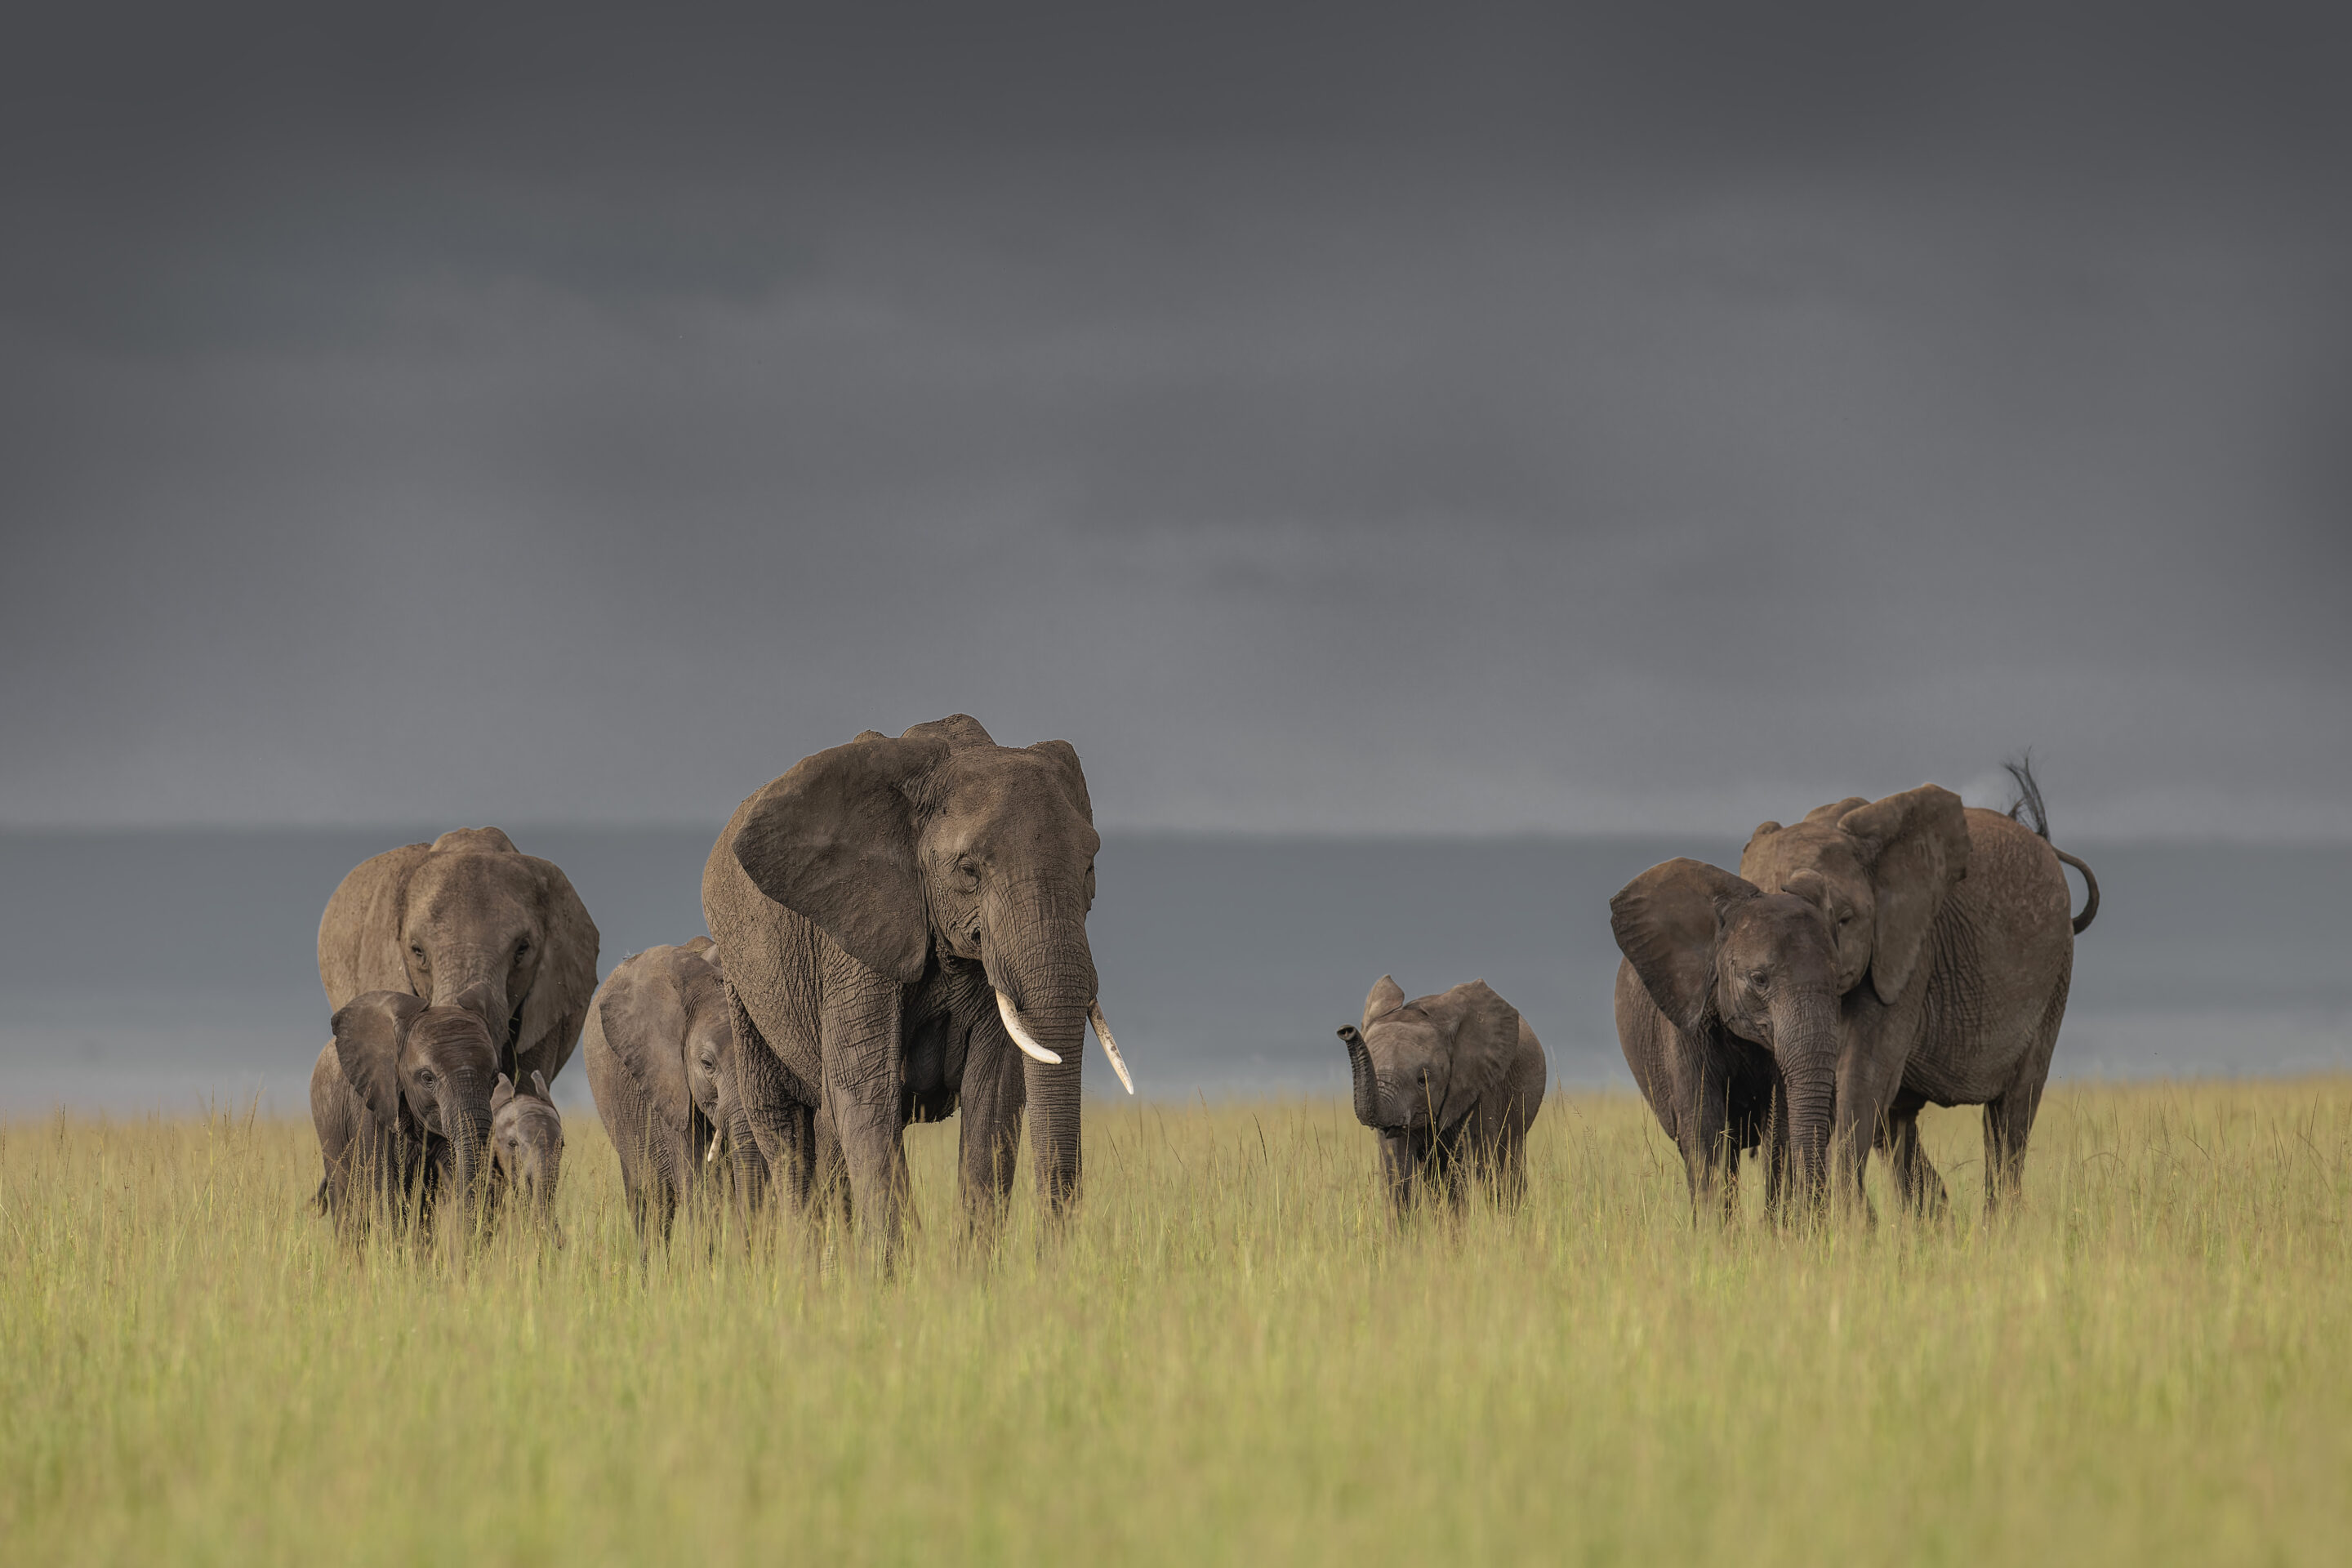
655	1045
401	1099
1451	1083
869	903
467	910
527	1149
1887	954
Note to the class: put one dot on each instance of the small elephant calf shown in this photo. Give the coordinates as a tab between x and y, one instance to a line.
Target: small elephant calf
527	1140
1451	1083
401	1099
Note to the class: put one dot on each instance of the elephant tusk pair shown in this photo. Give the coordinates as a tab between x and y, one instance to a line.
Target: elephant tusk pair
1029	1047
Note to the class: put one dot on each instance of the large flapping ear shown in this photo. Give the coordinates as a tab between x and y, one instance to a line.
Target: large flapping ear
566	978
1483	1031
1664	922
1384	998
370	1033
643	1014
834	841
1917	846
1074	778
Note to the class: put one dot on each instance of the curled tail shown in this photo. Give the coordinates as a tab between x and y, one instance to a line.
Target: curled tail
2091	905
2028	808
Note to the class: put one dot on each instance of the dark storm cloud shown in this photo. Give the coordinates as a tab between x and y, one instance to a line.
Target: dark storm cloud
1517	418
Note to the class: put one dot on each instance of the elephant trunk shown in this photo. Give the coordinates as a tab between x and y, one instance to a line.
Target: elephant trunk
465	1123
477	980
1804	1043
1366	1082
1046	984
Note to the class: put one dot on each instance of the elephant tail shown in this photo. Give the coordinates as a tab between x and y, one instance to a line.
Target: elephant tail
2030	809
2091	904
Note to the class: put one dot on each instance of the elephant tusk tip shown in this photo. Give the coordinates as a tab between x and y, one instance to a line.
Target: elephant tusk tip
1109	1046
1021	1036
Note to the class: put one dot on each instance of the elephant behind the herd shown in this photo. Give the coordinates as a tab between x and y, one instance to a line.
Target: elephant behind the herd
1878	957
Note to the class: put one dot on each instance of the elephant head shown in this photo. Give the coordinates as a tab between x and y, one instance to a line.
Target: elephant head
1877	870
474	913
1715	951
527	1142
942	845
427	1070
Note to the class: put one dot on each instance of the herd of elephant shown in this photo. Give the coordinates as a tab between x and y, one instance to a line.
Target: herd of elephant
898	933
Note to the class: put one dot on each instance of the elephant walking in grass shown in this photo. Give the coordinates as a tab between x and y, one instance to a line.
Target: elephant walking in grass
1875	958
1451	1083
656	1047
904	926
402	1099
527	1147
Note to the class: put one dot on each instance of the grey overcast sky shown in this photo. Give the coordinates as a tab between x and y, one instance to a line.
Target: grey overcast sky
1560	418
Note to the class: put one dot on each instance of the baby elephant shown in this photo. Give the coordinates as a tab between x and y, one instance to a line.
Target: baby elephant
527	1138
1451	1083
402	1101
656	1047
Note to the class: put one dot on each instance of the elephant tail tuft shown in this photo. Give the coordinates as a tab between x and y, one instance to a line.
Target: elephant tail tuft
2030	809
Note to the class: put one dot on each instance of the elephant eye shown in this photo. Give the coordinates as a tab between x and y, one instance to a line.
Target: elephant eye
522	947
425	1075
1759	980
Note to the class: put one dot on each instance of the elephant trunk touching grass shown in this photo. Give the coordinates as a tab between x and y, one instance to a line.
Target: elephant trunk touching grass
1033	949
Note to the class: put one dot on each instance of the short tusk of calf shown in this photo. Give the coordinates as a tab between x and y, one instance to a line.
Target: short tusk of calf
1111	1047
1029	1048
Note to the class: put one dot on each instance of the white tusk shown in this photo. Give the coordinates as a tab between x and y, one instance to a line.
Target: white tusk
1019	1035
712	1157
1111	1047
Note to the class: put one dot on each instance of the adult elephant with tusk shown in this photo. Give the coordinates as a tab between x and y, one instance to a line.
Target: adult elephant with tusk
905	926
469	913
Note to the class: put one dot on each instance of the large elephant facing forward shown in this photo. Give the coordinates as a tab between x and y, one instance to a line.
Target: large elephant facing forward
905	930
1886	954
467	910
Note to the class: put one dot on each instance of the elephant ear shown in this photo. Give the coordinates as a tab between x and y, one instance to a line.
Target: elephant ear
1064	756
1484	1032
1664	922
558	1002
1384	998
503	1095
643	1014
1916	846
1837	809
834	841
370	1033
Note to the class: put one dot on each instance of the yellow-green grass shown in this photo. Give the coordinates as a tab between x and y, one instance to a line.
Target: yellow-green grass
1231	1356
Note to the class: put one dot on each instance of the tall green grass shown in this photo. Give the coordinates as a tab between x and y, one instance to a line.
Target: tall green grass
1231	1356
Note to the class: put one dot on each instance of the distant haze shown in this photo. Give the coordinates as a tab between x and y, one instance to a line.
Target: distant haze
1622	418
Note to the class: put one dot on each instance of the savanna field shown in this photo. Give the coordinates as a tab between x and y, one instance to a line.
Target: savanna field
1230	1356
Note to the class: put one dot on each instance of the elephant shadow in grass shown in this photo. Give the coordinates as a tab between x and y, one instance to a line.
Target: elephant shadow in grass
402	1101
1451	1083
657	1046
903	925
1878	957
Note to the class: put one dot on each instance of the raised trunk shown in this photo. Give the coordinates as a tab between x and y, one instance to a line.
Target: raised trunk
1034	952
1804	1043
1367	1084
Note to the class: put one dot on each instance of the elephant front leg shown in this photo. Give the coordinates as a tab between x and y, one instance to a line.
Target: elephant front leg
861	1056
1397	1171
989	1144
1866	1095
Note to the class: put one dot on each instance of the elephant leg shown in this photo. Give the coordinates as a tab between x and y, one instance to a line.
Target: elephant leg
988	1144
2009	1116
1709	1160
1866	1089
861	1056
1916	1181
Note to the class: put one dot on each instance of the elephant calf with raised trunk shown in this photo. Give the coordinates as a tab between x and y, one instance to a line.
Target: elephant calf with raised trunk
905	930
401	1100
1451	1083
1875	958
527	1146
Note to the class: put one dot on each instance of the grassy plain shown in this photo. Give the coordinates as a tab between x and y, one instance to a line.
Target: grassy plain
1232	1356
